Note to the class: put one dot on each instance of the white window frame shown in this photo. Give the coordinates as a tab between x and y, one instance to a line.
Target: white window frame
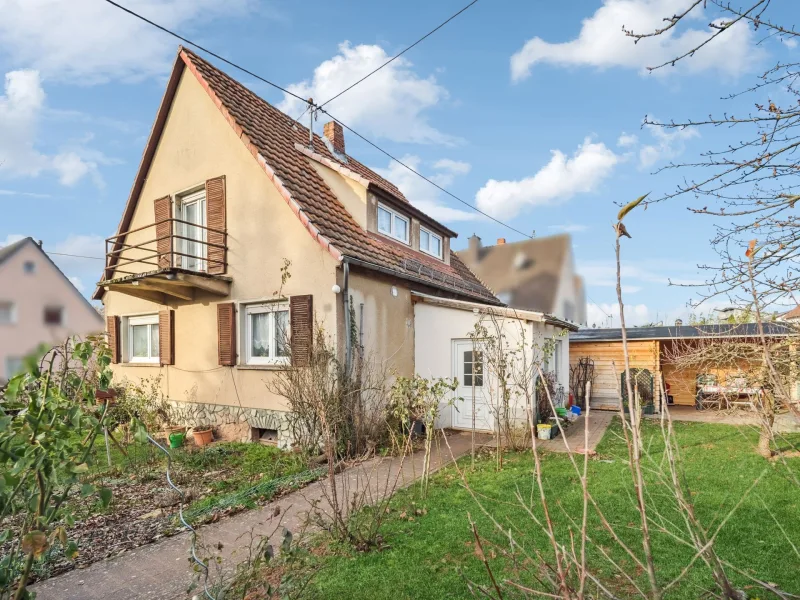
12	312
431	235
196	196
130	322
395	215
247	337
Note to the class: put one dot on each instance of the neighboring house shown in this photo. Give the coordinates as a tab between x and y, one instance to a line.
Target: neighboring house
792	316
653	349
536	274
229	199
38	305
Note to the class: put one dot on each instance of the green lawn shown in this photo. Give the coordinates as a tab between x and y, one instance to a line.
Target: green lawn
432	555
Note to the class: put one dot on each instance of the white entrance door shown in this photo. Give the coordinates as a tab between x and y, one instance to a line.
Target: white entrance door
468	368
192	210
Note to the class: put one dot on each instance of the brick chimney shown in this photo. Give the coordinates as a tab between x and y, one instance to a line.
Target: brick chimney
473	248
335	134
501	241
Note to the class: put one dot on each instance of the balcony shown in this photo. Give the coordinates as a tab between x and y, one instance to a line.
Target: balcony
168	259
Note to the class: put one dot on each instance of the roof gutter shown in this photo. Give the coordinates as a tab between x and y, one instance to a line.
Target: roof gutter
387	271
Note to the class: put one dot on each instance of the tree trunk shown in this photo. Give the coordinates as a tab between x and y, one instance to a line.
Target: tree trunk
765	435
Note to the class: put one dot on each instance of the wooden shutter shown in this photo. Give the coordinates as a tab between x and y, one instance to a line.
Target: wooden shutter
226	333
216	220
301	315
112	326
166	337
163	211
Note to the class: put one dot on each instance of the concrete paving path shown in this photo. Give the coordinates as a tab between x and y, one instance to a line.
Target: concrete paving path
162	570
599	420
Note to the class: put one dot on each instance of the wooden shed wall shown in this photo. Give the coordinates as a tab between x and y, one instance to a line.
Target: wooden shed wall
643	354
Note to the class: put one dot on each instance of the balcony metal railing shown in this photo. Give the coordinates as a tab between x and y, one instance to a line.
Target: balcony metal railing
176	244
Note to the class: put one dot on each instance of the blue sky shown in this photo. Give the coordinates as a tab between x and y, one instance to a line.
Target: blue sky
531	110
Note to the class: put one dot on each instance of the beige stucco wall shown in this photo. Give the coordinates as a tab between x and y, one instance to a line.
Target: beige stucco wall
388	321
30	293
197	144
350	192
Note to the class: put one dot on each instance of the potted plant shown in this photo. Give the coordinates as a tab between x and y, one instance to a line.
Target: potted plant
203	435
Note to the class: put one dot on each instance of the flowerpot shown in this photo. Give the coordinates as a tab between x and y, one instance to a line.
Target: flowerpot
176	439
105	397
543	431
203	437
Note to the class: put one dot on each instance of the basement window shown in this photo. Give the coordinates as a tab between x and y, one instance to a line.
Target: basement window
268	437
392	223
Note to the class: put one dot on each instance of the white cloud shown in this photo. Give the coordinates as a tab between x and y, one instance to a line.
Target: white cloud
24	194
391	104
559	180
11	238
421	193
669	143
607	315
458	167
569	228
76	281
20	111
626	140
601	42
603	273
86	41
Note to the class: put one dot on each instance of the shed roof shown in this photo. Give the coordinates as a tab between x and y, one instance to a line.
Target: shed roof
684	331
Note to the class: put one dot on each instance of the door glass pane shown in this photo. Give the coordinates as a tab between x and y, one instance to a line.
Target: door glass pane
140	343
281	333
154	351
259	335
384	220
400	229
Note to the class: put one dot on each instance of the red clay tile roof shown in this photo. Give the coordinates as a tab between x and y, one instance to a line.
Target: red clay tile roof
273	135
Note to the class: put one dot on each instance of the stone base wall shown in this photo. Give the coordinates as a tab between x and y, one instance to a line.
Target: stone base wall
197	414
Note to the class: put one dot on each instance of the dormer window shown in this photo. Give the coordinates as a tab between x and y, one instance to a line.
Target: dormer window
392	224
430	243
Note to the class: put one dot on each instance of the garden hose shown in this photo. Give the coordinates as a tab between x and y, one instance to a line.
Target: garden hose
195	558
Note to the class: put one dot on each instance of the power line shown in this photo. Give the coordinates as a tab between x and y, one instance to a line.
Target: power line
74	255
433	183
396	56
206	50
350	129
392	59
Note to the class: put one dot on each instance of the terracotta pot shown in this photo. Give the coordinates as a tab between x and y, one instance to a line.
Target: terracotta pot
203	437
103	397
176	429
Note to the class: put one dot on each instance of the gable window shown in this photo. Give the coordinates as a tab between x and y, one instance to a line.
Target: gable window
53	315
392	224
266	333
7	315
29	267
430	243
142	333
191	243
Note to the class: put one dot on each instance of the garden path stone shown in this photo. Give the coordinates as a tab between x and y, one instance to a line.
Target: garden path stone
599	420
162	571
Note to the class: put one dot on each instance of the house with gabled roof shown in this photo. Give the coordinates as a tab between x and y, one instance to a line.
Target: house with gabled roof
38	305
242	230
536	274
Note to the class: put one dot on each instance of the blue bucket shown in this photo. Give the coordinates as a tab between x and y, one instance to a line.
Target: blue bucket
575	409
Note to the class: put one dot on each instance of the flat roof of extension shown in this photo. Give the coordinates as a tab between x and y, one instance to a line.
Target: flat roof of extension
740	330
